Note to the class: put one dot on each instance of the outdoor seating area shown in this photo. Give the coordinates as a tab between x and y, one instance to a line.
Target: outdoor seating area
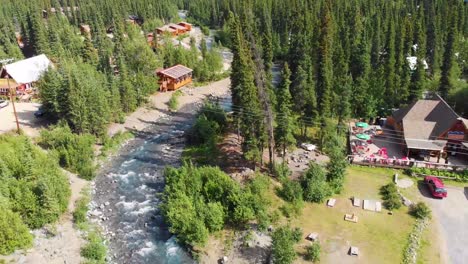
387	149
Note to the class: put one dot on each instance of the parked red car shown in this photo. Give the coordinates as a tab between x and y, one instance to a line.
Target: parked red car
436	186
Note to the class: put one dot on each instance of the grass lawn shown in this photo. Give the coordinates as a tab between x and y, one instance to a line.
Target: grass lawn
381	238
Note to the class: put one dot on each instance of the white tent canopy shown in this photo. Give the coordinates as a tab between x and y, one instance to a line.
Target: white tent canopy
29	70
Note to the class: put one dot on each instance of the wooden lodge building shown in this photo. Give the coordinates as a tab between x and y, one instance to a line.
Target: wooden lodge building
174	29
23	74
173	78
432	127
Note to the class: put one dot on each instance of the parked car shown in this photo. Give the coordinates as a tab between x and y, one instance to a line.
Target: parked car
308	147
3	103
436	186
39	113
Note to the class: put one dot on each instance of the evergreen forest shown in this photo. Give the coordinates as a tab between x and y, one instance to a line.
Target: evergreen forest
298	66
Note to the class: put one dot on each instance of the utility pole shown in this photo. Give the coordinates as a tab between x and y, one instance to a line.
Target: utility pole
12	99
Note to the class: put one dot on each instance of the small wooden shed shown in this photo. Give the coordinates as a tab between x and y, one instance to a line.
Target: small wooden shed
166	29
173	78
187	26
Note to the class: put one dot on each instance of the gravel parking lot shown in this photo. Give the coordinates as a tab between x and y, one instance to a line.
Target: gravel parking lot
452	215
28	122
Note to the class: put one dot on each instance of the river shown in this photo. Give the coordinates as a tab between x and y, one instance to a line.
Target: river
127	190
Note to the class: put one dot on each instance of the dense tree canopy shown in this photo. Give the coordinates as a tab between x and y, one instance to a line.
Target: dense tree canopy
201	200
360	46
33	191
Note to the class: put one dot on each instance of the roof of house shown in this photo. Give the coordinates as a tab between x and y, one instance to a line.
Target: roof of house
185	23
172	25
176	71
28	70
437	145
166	28
465	121
426	119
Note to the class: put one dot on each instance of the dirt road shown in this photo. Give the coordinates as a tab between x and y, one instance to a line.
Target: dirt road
452	215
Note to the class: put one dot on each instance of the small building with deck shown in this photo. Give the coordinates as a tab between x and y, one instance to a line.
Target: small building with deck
173	78
25	73
174	29
430	126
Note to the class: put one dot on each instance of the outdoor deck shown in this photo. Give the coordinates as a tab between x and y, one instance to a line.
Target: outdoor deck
393	156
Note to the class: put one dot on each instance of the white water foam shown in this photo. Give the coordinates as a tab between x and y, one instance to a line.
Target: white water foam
128	162
171	247
127	206
142	210
125	177
149	247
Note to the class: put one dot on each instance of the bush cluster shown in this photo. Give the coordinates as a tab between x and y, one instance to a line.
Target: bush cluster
283	240
94	251
33	191
392	199
421	211
458	176
315	187
204	135
75	152
173	103
313	252
111	144
201	200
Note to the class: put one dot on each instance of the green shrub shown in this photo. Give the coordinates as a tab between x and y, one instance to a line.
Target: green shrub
35	186
421	211
14	234
388	190
392	202
313	252
292	208
94	250
283	240
281	171
173	103
314	185
111	144
199	200
390	196
458	176
75	152
81	208
205	30
291	191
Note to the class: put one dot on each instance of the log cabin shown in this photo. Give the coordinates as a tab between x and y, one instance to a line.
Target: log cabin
173	78
175	29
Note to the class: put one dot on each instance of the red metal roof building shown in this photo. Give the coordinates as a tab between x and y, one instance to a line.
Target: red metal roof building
173	78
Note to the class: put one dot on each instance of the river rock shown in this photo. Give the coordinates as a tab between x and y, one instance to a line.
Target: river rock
106	203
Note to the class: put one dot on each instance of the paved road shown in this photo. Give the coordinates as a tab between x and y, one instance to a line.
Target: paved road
452	215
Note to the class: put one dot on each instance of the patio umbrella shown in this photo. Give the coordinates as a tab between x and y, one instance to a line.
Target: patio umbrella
363	136
362	124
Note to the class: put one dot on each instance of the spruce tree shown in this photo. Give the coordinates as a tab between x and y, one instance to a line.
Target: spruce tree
325	70
449	60
284	132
